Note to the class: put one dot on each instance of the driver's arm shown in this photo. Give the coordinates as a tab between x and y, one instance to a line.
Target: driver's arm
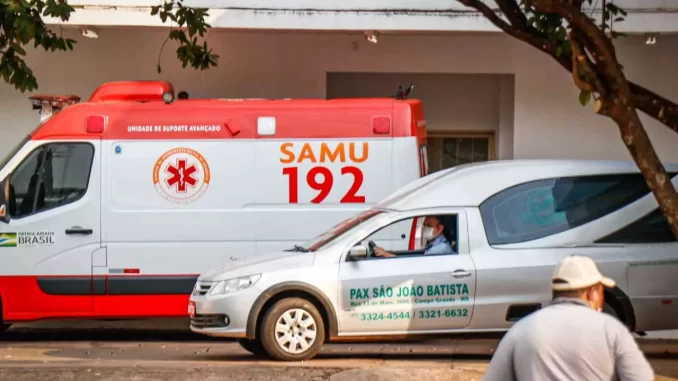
379	252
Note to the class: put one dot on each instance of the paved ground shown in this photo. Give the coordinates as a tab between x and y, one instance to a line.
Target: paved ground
152	353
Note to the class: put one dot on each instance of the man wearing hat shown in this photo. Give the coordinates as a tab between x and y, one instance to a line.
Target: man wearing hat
571	338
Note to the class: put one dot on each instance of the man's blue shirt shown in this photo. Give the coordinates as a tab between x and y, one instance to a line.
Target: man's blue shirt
439	245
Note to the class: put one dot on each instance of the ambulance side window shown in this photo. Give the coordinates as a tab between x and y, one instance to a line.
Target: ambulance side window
51	176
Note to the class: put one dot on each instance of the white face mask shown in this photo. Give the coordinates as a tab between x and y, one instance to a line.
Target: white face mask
427	233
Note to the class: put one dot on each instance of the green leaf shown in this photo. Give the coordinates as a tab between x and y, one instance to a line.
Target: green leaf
177	35
584	97
567	49
561	33
619	19
19	49
559	51
155	10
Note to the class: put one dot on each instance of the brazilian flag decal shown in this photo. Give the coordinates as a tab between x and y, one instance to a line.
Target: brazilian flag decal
8	240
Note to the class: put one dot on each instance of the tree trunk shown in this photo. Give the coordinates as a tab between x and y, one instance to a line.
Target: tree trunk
639	146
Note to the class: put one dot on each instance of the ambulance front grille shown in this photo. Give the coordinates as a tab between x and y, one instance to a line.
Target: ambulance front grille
202	288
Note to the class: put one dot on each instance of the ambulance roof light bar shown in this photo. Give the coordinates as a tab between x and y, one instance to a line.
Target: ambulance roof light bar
51	104
139	91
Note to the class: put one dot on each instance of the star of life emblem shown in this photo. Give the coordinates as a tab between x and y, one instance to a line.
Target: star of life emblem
181	175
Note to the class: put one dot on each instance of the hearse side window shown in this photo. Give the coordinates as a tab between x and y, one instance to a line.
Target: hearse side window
541	208
399	241
651	228
52	175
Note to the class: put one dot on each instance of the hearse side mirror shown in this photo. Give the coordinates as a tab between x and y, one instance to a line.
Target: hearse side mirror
358	252
4	207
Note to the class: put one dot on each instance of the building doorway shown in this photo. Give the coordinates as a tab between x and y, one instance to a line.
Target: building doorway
469	117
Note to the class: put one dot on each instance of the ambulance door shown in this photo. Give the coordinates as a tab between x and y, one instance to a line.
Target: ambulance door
53	206
173	209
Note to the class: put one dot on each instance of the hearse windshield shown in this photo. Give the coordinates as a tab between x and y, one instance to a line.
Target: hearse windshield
338	230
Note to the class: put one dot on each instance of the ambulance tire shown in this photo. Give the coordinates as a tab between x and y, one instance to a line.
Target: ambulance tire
305	324
3	326
253	346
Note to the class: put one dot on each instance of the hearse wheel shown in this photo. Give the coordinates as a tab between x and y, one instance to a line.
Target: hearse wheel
608	309
253	346
292	330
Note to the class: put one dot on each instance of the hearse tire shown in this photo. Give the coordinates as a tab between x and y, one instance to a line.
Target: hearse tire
253	346
608	309
292	329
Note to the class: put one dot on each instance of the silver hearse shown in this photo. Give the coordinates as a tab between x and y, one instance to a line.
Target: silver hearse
507	224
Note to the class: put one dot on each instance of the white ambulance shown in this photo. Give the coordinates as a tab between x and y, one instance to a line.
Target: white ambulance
111	208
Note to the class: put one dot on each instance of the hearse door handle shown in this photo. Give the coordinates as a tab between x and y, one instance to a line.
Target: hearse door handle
78	230
460	273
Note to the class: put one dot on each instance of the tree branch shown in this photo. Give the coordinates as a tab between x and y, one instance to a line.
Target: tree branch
655	106
514	14
604	50
652	104
580	62
532	39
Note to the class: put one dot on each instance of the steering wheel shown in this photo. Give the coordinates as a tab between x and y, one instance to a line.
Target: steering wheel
370	248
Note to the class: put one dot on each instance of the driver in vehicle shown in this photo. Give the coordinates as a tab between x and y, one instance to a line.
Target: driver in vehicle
436	243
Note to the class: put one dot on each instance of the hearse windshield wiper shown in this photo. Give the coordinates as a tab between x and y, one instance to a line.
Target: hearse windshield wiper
298	248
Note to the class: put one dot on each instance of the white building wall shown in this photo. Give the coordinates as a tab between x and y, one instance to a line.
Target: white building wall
432	15
547	118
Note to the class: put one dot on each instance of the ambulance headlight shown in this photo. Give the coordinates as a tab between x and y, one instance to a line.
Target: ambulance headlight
235	284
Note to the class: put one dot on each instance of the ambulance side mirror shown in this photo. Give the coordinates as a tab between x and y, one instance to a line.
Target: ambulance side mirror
4	207
357	252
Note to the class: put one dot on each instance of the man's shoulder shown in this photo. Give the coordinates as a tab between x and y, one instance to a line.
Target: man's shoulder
553	312
613	324
439	246
550	313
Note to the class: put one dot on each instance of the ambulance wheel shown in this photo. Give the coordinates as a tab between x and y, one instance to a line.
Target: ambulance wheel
253	346
292	330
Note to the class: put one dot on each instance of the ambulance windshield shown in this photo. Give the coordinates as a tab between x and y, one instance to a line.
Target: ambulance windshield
13	152
338	230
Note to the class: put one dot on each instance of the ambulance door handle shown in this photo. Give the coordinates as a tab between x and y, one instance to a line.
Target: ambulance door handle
460	273
78	230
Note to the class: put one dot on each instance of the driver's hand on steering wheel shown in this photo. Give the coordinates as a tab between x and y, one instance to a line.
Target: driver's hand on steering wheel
379	252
